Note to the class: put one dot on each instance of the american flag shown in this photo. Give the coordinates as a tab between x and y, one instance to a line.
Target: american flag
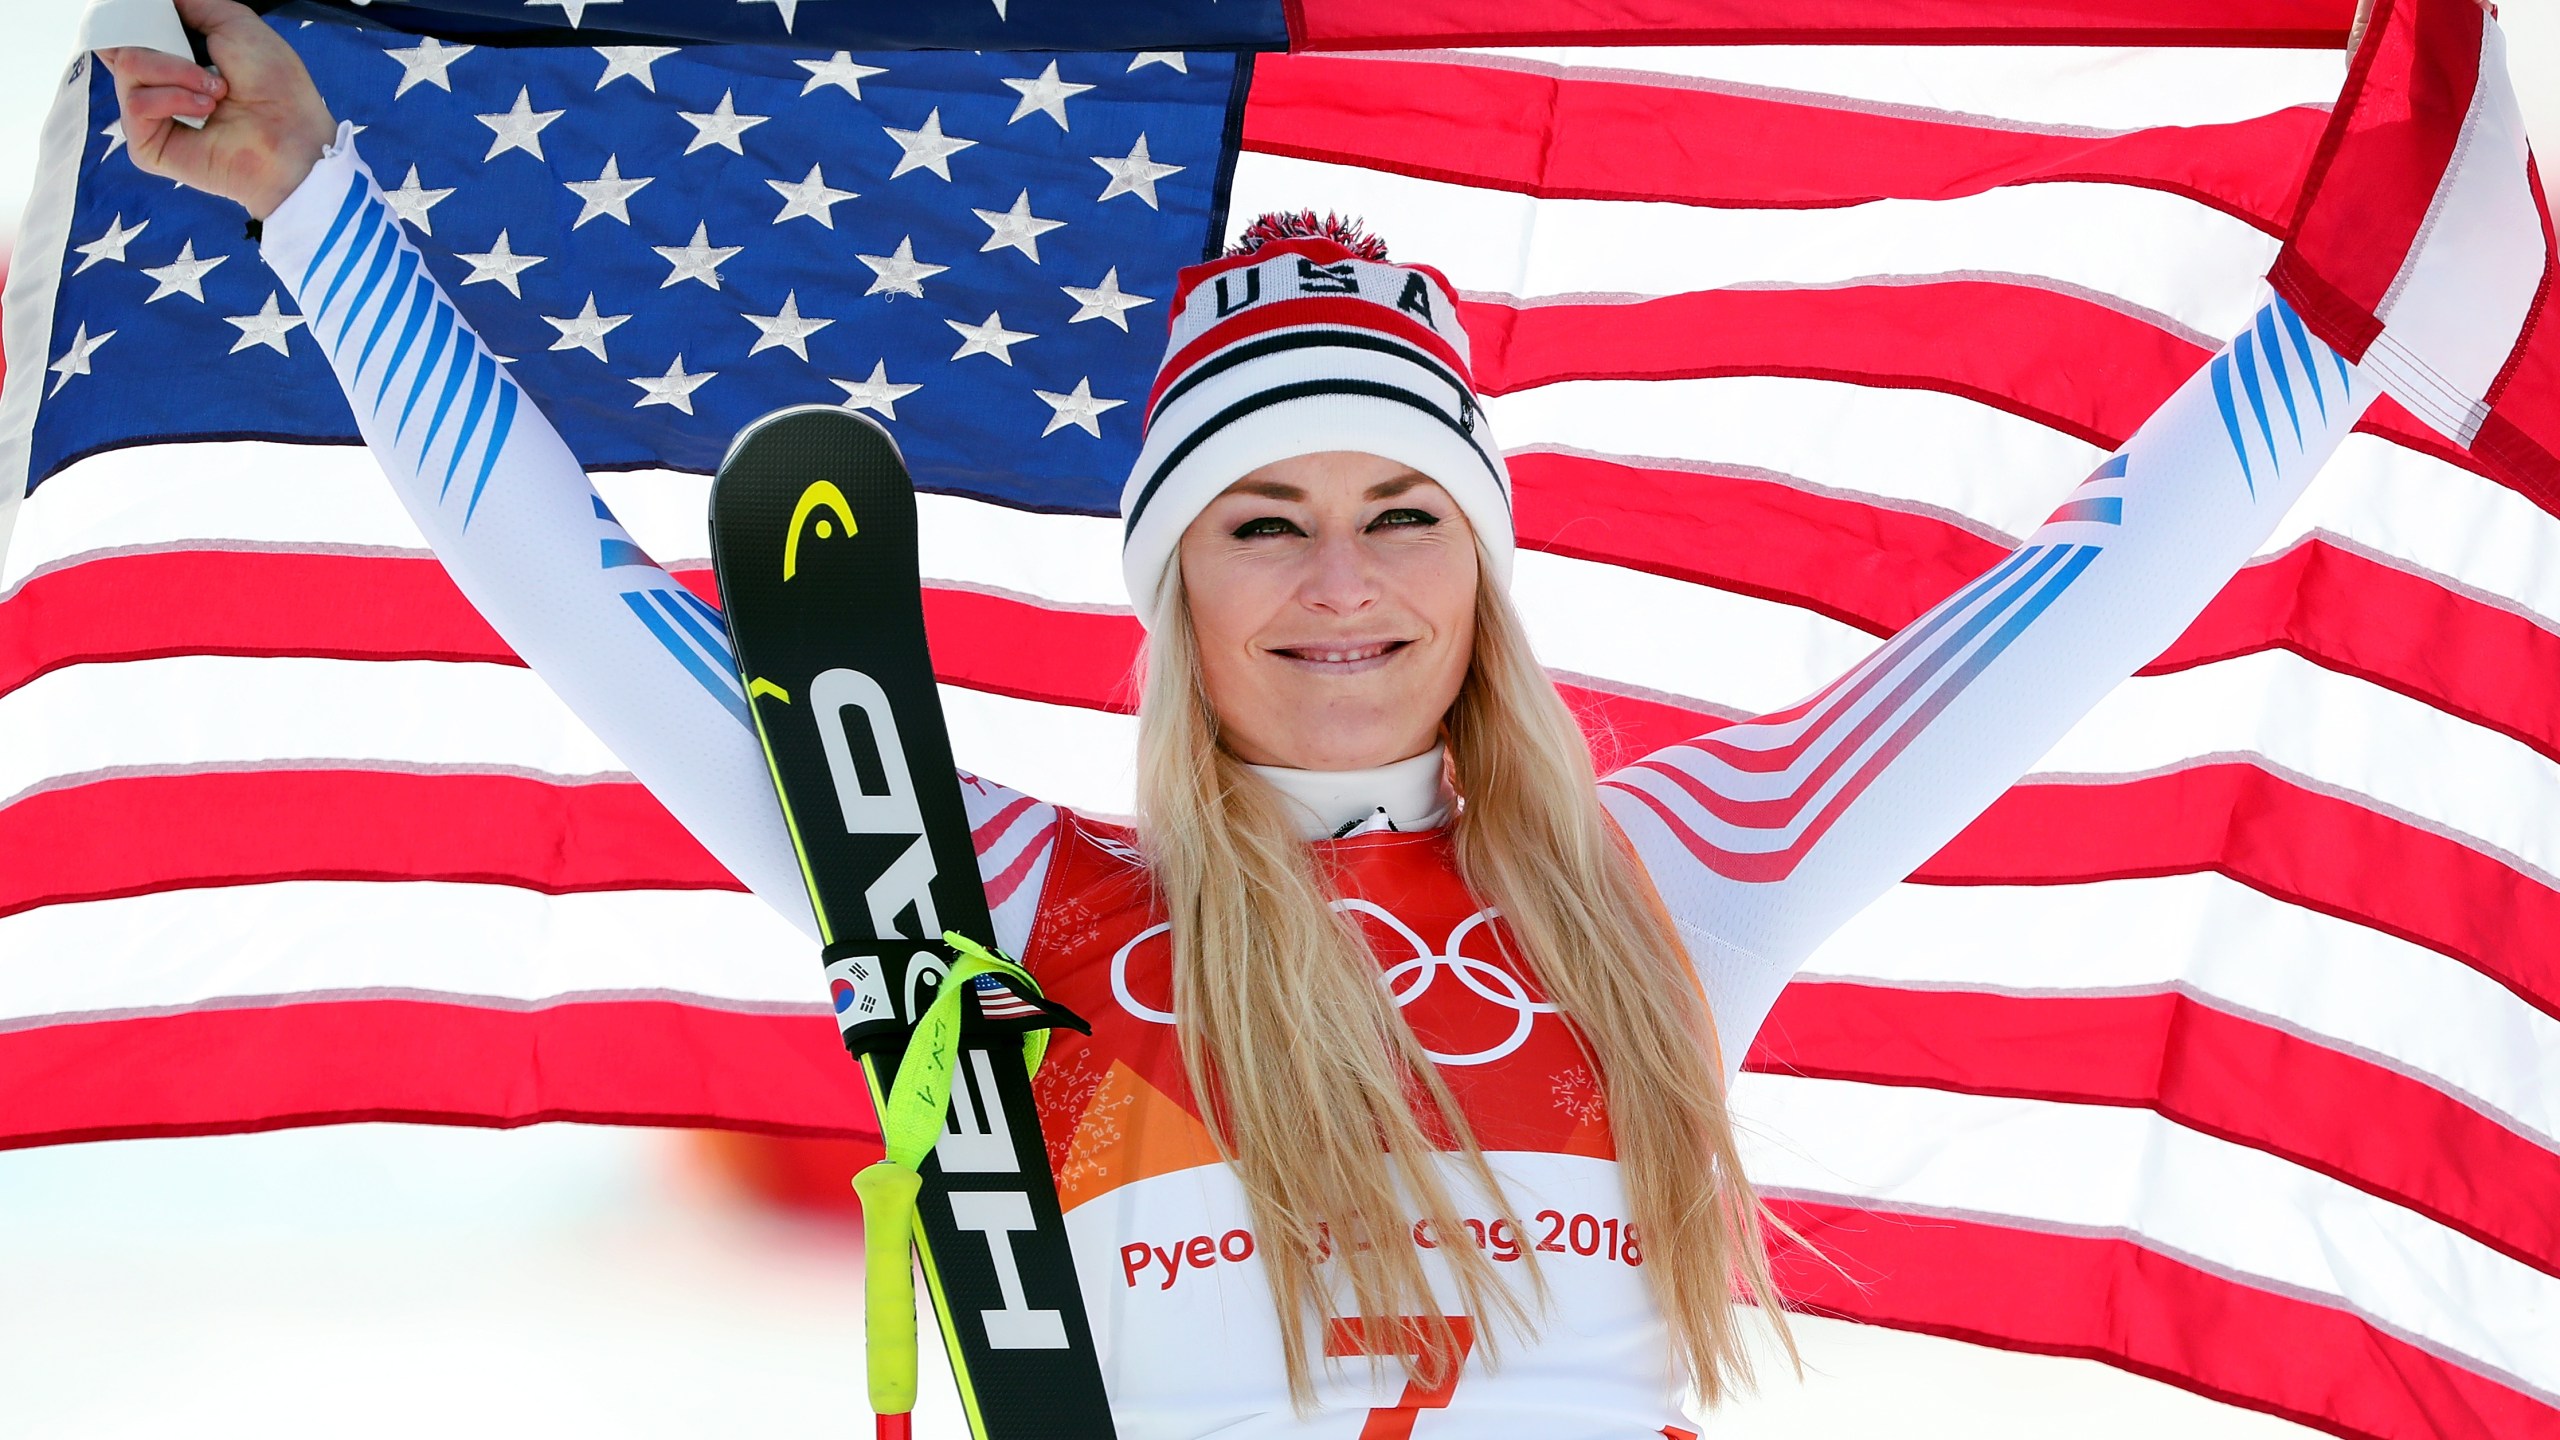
2223	1048
999	1001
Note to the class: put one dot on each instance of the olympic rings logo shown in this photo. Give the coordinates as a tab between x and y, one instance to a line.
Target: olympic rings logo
1406	980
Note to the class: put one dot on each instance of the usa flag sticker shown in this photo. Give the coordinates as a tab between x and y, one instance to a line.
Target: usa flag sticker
999	1001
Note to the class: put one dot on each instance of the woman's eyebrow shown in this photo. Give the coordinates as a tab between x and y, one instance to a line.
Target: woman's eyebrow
1268	489
1275	490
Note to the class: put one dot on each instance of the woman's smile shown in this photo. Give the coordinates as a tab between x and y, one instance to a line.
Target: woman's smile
1355	657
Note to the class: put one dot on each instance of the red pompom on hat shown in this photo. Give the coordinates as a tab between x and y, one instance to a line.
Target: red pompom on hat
1303	225
1303	338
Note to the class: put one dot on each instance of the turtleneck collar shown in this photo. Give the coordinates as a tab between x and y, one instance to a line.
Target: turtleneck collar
1331	804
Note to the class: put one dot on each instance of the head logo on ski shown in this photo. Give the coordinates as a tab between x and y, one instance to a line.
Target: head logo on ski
820	494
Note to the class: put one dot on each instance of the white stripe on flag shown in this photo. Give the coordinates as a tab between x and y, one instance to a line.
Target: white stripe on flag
473	944
2106	87
2348	986
2160	252
2120	1171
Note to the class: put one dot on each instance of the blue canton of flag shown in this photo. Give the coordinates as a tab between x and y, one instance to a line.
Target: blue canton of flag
665	243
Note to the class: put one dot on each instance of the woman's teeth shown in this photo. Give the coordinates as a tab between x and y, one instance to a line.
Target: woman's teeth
1343	657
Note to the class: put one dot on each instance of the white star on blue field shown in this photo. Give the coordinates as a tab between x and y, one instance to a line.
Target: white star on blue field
673	240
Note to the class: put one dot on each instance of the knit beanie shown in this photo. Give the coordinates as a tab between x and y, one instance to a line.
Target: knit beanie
1300	340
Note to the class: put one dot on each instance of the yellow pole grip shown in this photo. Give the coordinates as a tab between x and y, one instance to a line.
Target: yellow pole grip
911	1118
888	1191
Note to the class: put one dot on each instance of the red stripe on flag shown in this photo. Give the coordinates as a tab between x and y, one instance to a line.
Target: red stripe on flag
2104	1297
154	605
2365	617
1854	561
2384	1132
326	1062
2024	349
142	834
2322	852
1602	136
2060	359
1408	24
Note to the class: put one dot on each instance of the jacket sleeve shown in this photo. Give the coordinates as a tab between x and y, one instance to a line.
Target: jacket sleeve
1764	835
510	512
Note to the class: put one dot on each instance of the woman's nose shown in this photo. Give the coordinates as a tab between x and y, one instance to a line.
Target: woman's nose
1341	576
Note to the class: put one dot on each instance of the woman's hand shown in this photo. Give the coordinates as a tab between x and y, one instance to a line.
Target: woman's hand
265	123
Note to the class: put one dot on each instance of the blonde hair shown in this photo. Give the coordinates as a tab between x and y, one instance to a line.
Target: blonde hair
1319	1095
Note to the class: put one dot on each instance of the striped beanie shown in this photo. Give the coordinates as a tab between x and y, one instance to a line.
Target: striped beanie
1303	340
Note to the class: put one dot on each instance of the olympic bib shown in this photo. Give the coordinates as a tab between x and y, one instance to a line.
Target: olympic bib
1117	1107
1164	1240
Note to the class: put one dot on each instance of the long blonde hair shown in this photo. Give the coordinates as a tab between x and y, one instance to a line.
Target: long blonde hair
1321	1098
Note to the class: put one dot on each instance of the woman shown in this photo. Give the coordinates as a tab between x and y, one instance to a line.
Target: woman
1410	1035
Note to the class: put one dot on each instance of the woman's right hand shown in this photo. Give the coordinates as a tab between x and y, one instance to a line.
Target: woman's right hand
265	123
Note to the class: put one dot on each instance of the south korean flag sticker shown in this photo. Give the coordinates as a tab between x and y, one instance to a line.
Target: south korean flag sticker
859	991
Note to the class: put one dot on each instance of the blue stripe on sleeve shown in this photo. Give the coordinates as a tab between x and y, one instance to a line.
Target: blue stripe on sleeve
2302	346
427	364
2274	349
496	442
2221	371
612	554
1919	632
684	654
2244	358
2075	558
2097	509
390	305
712	640
358	244
422	295
456	370
701	608
484	374
384	249
337	227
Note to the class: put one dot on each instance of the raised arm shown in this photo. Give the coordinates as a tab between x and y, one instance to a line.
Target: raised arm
495	491
510	512
1765	835
490	484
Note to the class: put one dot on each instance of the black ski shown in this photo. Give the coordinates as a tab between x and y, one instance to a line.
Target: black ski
813	534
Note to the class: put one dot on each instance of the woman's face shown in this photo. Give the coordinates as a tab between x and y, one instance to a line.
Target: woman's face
1334	599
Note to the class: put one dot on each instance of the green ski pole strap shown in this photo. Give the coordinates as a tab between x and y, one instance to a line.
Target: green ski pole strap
921	1096
910	1124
